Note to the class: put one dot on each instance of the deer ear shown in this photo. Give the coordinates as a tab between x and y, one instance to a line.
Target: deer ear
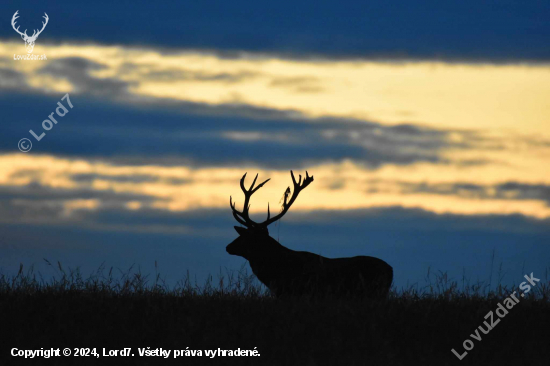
240	230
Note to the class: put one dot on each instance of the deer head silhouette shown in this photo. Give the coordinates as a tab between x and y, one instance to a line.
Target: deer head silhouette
29	41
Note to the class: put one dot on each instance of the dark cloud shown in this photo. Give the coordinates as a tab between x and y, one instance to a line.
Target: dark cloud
37	192
136	178
168	132
115	125
35	203
508	190
152	71
12	80
78	70
224	110
300	84
170	75
524	191
418	220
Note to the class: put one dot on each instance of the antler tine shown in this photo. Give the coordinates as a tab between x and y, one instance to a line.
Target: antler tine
253	182
243	216
298	186
13	21
47	18
43	25
307	180
261	185
247	196
235	212
242	183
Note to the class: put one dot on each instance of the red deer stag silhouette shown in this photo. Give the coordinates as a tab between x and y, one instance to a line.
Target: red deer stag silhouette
292	273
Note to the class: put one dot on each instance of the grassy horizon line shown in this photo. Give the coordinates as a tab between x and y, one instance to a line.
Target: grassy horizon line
236	283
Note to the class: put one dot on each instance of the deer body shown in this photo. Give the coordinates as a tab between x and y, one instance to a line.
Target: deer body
293	273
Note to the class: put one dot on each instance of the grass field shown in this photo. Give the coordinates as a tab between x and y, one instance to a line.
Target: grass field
415	326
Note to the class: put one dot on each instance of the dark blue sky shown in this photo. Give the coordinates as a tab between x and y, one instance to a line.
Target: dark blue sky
498	31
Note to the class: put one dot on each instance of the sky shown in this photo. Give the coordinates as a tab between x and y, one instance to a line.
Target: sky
426	126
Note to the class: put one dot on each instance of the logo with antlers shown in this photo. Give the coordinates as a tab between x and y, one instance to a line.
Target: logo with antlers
29	41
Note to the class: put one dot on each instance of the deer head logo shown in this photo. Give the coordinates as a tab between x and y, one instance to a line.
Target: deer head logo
29	41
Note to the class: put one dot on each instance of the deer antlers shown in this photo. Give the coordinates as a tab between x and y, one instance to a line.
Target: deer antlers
243	217
13	24
24	34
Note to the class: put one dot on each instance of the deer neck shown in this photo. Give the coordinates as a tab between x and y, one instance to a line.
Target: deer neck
267	261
